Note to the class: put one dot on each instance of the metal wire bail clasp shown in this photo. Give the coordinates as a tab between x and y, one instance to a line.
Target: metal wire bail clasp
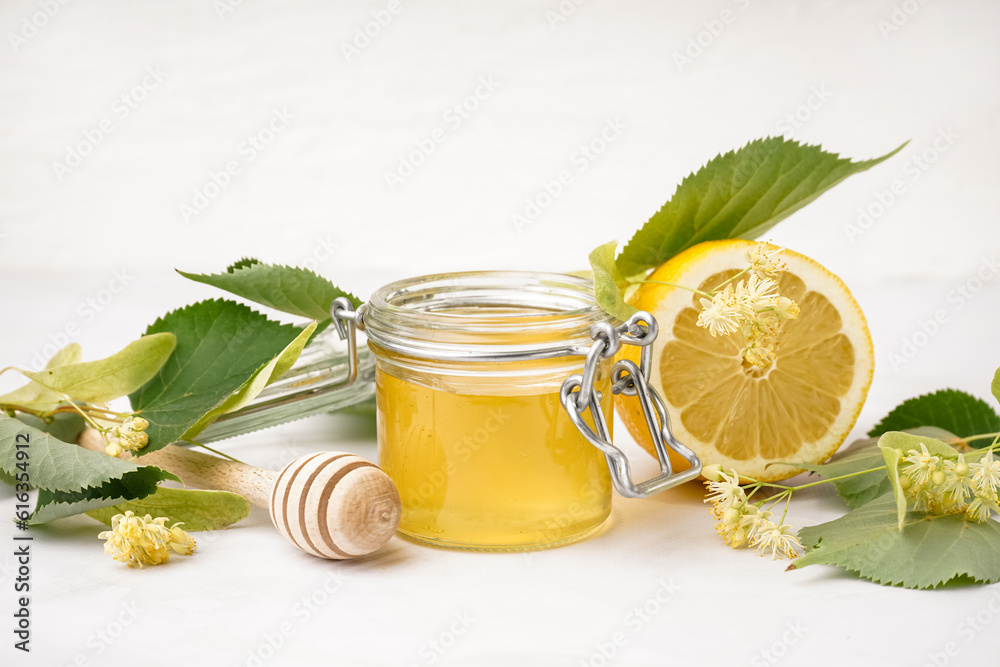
347	322
579	395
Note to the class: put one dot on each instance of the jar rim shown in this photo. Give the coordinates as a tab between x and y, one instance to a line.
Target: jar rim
485	315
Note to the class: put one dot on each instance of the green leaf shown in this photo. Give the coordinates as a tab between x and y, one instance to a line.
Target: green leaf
740	194
70	354
995	386
58	504
955	411
110	378
895	447
863	454
36	397
289	289
260	379
242	263
904	442
196	509
65	426
71	479
57	465
221	345
609	284
892	457
930	550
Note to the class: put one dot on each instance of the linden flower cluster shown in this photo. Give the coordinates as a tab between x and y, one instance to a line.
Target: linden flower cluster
128	436
752	306
942	486
140	541
743	524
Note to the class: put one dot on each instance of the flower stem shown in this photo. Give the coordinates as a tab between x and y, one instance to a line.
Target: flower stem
104	411
90	422
14	407
215	451
816	483
660	282
980	436
787	501
834	479
729	280
777	498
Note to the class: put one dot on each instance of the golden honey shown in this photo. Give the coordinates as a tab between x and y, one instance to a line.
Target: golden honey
490	471
471	428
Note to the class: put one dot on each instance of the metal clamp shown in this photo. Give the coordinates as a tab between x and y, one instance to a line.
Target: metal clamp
347	322
629	380
579	395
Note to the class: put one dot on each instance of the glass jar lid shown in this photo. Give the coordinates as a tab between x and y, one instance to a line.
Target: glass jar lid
485	316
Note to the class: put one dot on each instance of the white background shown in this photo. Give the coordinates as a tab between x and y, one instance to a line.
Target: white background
317	194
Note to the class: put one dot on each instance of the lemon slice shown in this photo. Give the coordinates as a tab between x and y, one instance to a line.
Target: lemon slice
800	408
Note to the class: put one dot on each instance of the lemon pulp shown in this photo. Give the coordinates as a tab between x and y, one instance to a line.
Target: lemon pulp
800	408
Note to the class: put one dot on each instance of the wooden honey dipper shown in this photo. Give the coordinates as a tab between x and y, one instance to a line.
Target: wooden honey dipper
329	504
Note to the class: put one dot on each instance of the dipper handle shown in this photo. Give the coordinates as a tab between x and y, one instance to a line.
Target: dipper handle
205	471
330	504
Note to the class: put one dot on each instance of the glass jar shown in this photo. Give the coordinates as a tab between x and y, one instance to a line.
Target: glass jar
471	428
495	394
327	376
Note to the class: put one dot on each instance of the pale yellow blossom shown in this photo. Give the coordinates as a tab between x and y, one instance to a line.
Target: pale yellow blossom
920	465
986	476
721	315
140	541
781	540
127	437
762	261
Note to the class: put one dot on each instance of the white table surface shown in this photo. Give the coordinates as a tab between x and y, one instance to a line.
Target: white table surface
317	194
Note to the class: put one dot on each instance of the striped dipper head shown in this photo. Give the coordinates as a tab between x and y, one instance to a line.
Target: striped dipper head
335	505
